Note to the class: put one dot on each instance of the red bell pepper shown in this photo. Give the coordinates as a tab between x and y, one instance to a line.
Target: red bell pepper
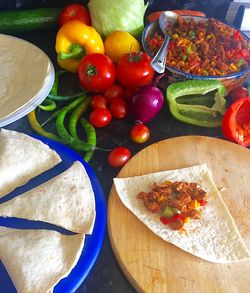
236	122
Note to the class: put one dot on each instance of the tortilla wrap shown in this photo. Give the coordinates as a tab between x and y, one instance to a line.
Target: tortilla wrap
22	158
66	200
214	237
36	260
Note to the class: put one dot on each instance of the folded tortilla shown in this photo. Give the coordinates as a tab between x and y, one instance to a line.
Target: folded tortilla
36	260
66	200
22	158
214	237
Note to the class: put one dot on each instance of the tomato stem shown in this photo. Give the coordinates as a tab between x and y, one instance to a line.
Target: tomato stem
91	71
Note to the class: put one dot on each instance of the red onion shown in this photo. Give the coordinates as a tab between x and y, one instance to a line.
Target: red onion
146	102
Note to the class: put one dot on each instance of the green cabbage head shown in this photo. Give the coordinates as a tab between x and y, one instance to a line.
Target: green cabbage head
117	15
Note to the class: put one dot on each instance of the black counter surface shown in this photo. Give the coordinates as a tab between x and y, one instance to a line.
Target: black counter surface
106	275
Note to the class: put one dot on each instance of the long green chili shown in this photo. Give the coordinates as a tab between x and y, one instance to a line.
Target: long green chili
48	105
75	143
35	125
76	115
66	98
54	89
91	137
54	115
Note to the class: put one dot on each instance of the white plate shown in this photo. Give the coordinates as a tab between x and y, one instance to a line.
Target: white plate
26	78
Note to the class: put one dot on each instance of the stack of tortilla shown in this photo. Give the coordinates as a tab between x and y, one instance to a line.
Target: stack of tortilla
42	257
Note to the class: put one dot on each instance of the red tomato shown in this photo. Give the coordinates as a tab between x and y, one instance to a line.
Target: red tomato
100	117
236	122
118	108
134	70
98	101
119	156
115	91
74	12
139	133
238	93
96	72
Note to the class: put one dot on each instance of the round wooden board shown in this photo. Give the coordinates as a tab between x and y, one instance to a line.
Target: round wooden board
153	265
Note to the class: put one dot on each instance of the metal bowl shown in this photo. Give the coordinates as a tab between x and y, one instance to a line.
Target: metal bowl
230	81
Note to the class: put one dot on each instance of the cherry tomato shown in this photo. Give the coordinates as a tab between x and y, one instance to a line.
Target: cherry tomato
119	156
134	70
96	72
139	133
100	117
238	93
118	108
128	93
99	101
74	12
115	91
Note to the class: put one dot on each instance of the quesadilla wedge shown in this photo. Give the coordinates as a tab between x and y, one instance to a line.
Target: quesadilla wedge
213	237
66	200
22	158
41	257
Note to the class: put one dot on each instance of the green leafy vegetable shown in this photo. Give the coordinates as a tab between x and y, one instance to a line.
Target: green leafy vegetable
124	15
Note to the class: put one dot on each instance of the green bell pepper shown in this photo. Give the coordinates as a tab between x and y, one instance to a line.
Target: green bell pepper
197	102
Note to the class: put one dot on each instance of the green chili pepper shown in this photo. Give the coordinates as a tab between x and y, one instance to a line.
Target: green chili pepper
54	115
76	115
66	98
49	105
91	137
54	90
197	102
64	134
38	129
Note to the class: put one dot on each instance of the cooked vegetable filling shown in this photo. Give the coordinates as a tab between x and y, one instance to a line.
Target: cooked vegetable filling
205	48
176	202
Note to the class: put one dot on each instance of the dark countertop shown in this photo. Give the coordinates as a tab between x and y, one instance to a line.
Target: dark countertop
106	275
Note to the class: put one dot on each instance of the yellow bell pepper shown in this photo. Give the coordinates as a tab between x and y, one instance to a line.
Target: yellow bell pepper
74	40
119	43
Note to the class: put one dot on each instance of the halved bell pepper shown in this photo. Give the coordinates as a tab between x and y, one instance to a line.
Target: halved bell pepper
197	102
74	40
236	122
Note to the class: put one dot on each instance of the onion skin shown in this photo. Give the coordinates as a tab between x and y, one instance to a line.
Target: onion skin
146	103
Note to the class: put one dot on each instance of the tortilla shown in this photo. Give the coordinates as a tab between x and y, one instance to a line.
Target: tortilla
66	200
214	237
22	158
22	85
36	260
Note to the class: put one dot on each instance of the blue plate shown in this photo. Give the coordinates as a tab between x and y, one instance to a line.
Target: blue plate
93	242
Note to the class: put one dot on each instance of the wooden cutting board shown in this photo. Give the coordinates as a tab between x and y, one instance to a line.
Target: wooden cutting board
153	265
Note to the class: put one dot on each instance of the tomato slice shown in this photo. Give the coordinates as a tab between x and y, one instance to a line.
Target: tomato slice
236	122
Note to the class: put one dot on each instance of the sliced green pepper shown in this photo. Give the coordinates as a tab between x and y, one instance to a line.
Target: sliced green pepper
197	102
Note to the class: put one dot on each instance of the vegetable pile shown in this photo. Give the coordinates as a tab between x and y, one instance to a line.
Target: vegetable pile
117	82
